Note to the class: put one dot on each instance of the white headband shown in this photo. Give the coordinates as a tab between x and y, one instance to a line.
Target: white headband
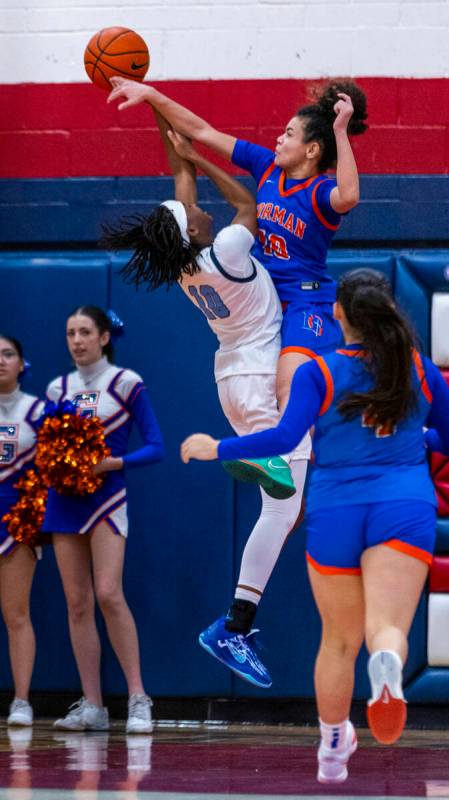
179	213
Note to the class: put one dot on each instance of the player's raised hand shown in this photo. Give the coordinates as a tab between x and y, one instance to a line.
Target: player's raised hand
182	145
344	111
133	92
199	446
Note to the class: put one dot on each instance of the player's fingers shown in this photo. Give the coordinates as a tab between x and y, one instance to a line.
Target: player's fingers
126	104
185	457
116	80
343	96
114	94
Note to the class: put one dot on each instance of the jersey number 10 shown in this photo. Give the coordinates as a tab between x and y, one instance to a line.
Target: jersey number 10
209	302
273	245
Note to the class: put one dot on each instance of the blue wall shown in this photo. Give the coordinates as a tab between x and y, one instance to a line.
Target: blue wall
188	523
393	208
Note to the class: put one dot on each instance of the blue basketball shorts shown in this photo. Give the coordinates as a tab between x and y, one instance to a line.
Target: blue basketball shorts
309	328
338	536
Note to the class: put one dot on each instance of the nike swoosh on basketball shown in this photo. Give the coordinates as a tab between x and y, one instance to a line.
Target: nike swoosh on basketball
138	66
276	466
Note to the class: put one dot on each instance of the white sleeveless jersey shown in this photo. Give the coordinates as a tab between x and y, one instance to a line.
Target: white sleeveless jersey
18	413
238	299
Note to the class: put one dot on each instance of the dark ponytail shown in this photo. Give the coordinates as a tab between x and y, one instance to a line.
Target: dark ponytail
102	323
365	297
319	118
161	256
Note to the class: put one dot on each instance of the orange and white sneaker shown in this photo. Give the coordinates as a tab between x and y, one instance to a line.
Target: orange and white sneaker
333	764
387	709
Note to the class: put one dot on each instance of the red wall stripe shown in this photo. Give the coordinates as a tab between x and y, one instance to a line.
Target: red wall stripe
59	130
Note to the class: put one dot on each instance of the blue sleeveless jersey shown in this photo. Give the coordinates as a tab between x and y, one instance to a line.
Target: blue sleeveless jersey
358	462
355	461
296	226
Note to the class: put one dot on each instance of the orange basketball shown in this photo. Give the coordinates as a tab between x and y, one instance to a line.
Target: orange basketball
116	51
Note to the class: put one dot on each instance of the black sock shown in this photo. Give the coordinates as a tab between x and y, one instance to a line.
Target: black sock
240	617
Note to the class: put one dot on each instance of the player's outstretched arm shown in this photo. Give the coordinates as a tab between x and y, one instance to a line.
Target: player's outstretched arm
178	116
346	194
184	172
234	192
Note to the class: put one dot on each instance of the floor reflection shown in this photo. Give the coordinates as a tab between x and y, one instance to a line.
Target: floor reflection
199	760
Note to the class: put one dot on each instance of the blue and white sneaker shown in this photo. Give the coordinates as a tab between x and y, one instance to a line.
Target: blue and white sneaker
236	651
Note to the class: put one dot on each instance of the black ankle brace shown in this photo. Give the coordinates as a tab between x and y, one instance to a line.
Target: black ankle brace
240	617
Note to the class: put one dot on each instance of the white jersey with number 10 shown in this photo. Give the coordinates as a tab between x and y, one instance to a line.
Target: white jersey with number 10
238	299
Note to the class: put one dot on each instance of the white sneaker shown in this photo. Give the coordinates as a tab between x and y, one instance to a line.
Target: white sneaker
387	709
139	714
20	713
332	765
84	716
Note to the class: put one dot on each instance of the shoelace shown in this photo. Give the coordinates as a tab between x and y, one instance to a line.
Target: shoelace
18	704
76	708
256	644
138	707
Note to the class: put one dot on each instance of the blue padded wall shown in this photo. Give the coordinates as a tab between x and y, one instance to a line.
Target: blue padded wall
189	524
395	208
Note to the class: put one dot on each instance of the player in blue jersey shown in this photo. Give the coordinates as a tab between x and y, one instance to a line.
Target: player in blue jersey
371	503
89	532
19	413
299	209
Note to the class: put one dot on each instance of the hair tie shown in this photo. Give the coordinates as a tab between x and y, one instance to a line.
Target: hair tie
117	325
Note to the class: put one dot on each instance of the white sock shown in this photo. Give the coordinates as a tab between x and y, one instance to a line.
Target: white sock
268	537
334	736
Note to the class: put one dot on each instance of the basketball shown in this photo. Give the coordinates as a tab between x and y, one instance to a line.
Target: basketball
116	51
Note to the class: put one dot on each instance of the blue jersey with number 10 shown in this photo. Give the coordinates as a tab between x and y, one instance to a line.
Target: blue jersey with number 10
296	225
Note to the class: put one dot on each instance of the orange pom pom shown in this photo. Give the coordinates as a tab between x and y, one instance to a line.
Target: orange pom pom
68	446
24	519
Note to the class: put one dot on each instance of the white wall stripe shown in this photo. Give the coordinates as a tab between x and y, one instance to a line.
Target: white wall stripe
44	40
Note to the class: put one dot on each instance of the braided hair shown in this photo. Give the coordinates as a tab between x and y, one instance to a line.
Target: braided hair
319	118
365	296
161	256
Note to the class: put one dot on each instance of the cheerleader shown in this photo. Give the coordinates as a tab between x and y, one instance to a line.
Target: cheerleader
89	532
18	415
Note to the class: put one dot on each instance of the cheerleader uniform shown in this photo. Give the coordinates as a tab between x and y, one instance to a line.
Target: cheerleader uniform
19	413
118	397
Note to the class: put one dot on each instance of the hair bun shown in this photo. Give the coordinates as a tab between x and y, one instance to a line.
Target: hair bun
117	325
329	96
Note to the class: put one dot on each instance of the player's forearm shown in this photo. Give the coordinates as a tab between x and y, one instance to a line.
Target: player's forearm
189	124
234	192
180	118
176	162
184	172
347	174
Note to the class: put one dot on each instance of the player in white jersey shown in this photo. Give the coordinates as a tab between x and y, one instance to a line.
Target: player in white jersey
19	413
238	299
89	532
